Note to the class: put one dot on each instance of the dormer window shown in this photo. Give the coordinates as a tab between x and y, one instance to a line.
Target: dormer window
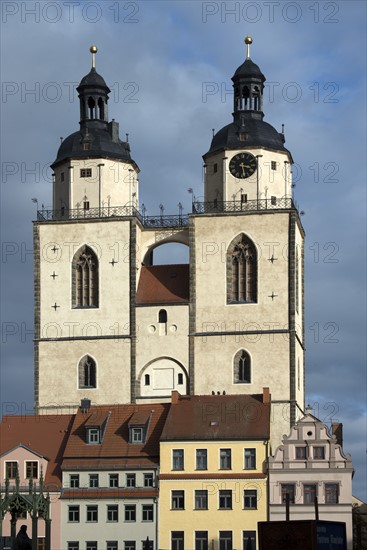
86	146
138	426
136	435
93	436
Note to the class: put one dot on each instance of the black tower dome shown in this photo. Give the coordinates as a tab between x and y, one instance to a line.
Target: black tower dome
97	137
248	128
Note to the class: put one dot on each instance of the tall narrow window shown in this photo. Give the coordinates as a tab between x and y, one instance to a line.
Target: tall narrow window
242	368
162	316
87	372
162	322
85	278
249	540
242	271
331	493
288	489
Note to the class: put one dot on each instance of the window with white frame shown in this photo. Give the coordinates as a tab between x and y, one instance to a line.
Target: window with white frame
177	500
147	512
130	480
177	540
31	469
288	491
73	514
93	436
225	459
201	540
250	459
93	481
92	513
225	540
130	512
112	512
249	540
250	499
11	470
331	493
74	481
113	480
201	459
225	499
136	435
201	499
148	480
177	459
309	493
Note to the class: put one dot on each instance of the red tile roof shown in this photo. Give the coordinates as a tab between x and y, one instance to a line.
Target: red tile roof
115	443
211	417
46	435
163	284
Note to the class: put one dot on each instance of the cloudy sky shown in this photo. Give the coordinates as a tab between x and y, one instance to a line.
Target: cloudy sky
169	66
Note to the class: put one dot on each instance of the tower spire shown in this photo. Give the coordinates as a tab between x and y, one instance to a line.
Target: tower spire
93	50
248	42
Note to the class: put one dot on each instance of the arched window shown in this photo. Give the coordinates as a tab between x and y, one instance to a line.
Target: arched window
91	106
242	368
101	108
162	322
162	316
241	271
87	372
85	278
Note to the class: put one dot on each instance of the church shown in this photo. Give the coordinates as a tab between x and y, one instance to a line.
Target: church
111	326
173	387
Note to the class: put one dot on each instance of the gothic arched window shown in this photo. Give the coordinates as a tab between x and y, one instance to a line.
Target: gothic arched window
242	368
241	271
85	278
87	372
92	107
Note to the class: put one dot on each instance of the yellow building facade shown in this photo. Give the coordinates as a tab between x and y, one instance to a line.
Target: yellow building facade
213	486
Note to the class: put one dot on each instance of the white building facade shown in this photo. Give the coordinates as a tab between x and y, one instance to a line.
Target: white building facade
309	465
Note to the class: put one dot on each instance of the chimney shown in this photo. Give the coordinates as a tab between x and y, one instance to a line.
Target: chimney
337	430
85	405
175	396
266	395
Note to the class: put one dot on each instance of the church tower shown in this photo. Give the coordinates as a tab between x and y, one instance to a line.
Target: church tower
247	319
85	263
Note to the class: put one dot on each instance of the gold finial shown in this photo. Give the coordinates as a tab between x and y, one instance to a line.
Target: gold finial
93	50
248	42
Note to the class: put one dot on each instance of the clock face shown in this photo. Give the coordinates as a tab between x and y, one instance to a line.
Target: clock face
242	165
